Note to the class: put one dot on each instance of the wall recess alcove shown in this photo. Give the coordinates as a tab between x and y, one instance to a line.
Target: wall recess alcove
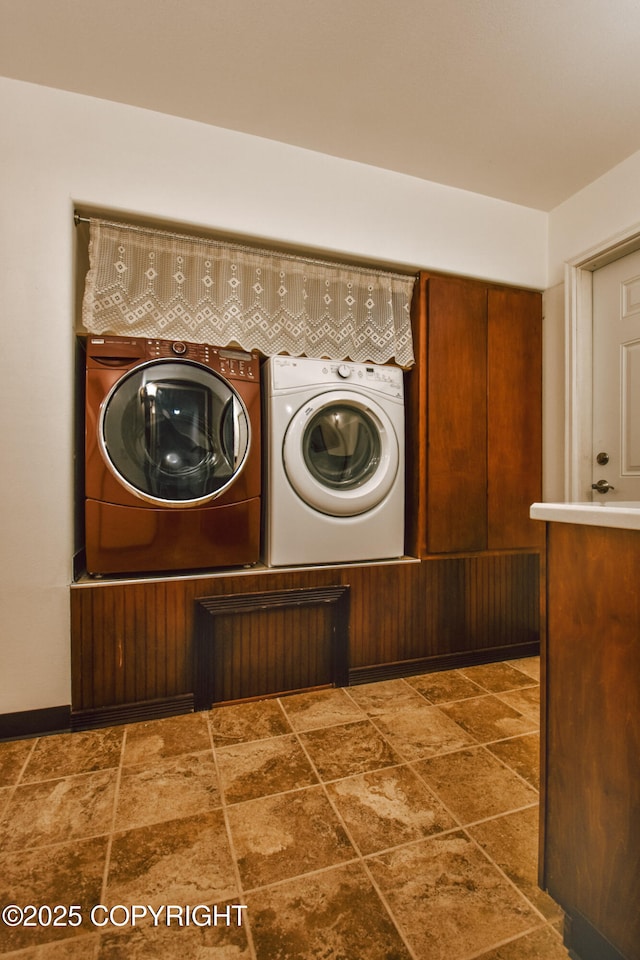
262	644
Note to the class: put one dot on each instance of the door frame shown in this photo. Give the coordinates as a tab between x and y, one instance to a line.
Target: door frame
579	355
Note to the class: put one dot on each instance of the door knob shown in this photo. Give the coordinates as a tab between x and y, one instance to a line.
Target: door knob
602	486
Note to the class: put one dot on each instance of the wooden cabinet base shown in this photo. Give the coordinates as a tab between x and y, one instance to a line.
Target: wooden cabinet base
135	647
591	735
584	941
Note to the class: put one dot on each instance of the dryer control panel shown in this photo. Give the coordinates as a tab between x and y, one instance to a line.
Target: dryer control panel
287	373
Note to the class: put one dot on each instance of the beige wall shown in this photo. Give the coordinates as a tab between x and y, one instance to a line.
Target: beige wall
606	210
603	214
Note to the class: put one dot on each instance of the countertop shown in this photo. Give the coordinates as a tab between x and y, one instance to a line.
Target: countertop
623	515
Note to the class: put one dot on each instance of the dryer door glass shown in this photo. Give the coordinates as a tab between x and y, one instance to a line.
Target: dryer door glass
341	446
341	453
174	432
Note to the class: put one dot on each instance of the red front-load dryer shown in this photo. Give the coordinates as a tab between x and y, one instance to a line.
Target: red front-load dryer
172	456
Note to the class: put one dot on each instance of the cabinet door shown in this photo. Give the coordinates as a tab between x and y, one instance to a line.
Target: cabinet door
457	415
514	418
591	739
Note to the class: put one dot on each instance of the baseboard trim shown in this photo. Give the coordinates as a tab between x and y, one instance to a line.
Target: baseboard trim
132	712
583	941
35	723
447	661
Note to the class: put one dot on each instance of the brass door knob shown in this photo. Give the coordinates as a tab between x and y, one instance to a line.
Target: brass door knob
602	486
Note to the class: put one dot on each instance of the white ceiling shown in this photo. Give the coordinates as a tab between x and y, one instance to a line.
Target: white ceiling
526	100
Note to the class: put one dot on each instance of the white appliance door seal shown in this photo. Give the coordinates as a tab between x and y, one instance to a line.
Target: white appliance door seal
341	453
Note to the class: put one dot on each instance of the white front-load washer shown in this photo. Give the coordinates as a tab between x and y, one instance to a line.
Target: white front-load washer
334	461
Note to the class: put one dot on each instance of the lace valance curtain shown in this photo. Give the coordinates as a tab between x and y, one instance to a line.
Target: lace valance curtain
152	283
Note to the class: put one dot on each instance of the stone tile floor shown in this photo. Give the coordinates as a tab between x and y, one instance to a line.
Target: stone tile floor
391	821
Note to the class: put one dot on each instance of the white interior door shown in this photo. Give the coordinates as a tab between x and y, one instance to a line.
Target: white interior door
616	380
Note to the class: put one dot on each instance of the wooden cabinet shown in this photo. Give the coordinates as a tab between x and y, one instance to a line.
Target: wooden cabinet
514	417
135	651
590	807
475	417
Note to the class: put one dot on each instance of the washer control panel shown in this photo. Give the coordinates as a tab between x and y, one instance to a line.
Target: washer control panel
126	351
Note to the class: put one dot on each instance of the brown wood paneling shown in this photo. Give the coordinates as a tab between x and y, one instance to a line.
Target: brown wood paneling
514	426
457	405
443	592
591	802
251	645
483	602
133	643
473	417
128	644
416	399
387	604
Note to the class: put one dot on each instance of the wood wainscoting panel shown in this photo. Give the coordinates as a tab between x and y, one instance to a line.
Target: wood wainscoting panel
387	613
133	643
481	602
128	644
261	644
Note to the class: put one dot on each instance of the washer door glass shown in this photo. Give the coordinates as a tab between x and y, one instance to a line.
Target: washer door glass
174	432
341	454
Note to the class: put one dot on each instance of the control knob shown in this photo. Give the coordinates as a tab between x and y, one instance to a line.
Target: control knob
344	371
179	347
